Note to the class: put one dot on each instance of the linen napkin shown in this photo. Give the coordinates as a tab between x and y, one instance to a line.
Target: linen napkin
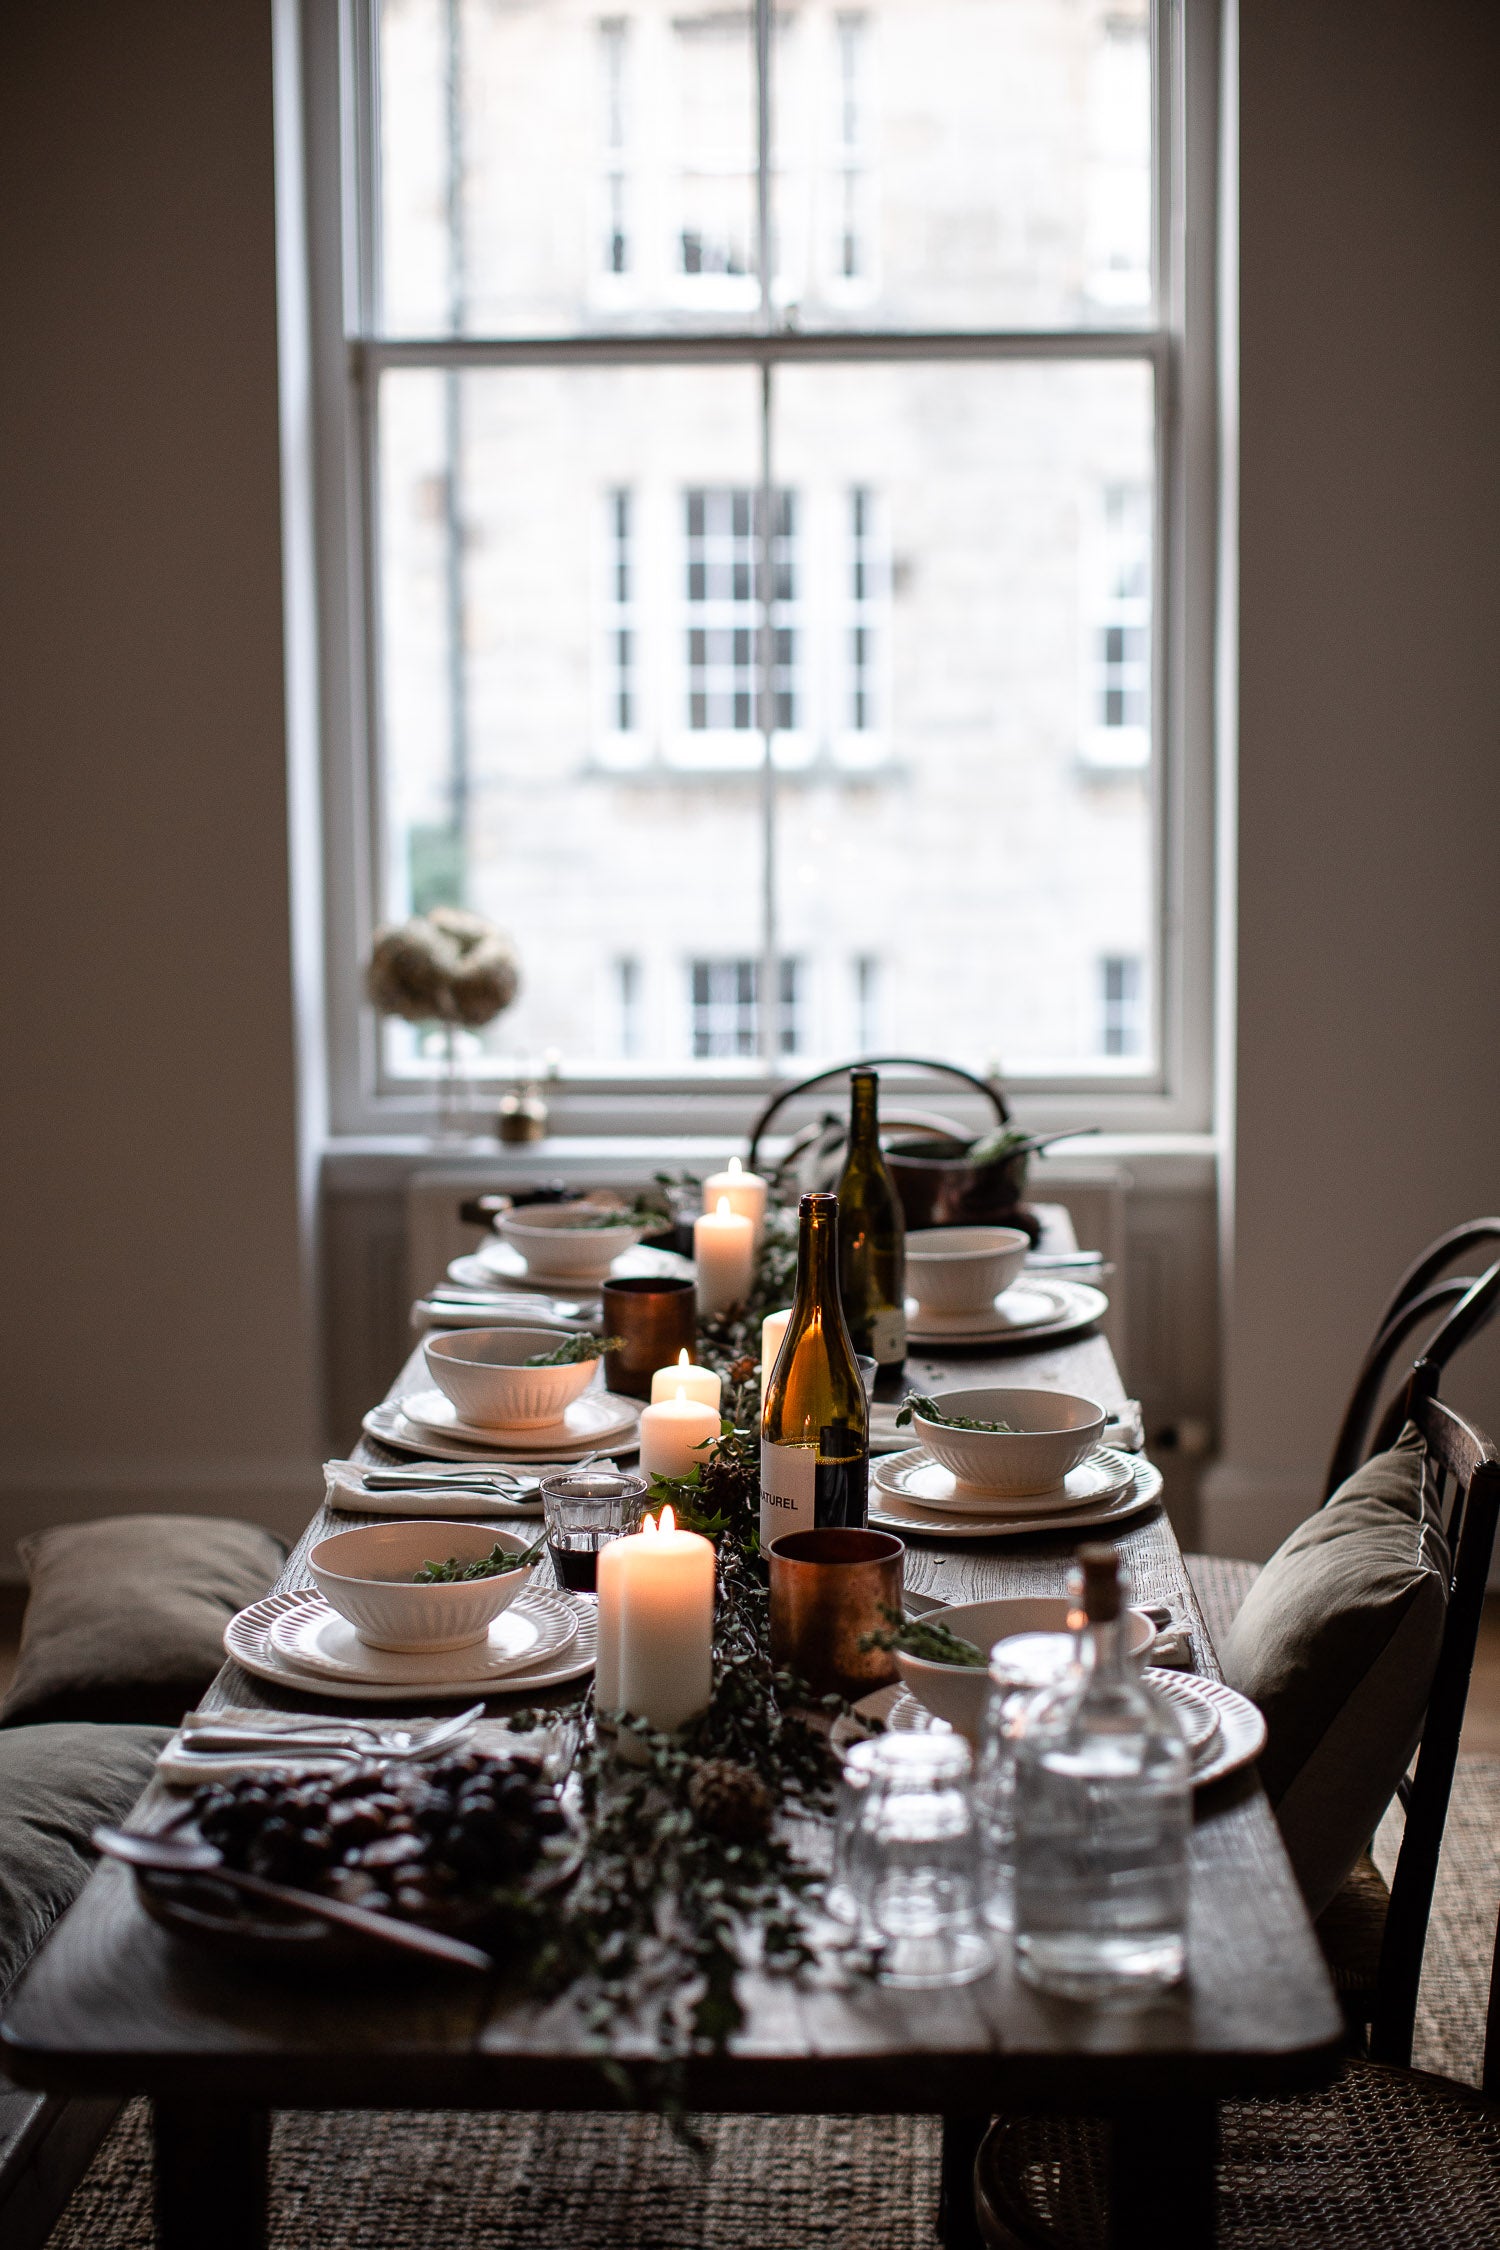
184	1768
343	1489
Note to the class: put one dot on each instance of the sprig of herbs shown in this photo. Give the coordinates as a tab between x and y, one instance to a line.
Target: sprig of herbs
923	1637
572	1349
916	1402
495	1564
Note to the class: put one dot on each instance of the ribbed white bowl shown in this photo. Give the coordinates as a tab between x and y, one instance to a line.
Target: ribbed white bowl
1053	1432
480	1370
959	1692
963	1269
366	1575
549	1238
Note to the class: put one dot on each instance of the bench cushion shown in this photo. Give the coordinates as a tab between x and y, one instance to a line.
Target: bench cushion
125	1618
56	1784
1337	1642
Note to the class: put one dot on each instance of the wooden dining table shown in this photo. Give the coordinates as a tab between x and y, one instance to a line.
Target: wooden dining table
115	2005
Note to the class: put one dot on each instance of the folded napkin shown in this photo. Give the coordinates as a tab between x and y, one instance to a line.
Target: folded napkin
184	1768
344	1489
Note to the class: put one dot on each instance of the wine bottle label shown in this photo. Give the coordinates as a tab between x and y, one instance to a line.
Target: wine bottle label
788	1489
888	1336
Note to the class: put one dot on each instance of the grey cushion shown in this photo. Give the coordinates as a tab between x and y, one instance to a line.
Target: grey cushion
125	1618
56	1784
1337	1642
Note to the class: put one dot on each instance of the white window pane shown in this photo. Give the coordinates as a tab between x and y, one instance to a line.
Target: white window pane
558	167
981	857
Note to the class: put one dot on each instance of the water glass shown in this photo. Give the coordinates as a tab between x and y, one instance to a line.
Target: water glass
916	1862
583	1510
842	1897
1020	1668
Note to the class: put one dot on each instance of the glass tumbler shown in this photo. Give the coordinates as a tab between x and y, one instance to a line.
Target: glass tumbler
842	1898
1020	1668
583	1510
916	1862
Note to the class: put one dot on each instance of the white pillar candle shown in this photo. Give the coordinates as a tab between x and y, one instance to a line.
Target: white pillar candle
724	1253
675	1434
772	1331
744	1191
700	1383
666	1628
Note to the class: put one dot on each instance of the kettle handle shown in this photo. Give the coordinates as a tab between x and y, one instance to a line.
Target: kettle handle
989	1087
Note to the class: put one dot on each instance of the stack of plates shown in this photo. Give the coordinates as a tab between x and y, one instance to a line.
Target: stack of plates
1031	1311
912	1492
297	1640
497	1265
427	1422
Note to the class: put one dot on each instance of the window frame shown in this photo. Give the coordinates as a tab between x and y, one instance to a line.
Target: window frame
337	58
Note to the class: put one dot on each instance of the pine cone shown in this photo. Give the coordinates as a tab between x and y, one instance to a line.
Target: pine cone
731	1802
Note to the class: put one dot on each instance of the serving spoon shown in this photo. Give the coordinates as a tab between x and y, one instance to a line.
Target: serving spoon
176	1855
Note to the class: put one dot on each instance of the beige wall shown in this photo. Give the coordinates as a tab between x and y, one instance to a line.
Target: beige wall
1367	1114
158	1343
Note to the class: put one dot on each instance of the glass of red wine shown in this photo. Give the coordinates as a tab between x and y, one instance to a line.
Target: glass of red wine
584	1509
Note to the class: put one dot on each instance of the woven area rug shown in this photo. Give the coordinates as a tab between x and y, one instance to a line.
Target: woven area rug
410	2181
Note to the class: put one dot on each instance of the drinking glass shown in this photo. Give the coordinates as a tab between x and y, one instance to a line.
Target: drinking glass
842	1897
916	1862
583	1510
1020	1669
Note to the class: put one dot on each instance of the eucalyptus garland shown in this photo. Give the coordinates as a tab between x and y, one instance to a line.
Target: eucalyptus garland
687	1871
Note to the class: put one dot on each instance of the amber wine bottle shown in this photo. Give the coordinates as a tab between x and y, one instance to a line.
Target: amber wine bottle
872	1240
815	1424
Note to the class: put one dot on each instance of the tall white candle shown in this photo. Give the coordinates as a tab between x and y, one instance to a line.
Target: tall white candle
724	1253
744	1191
675	1433
666	1632
700	1383
772	1330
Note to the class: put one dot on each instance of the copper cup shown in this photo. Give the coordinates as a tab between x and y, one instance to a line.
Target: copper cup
827	1589
654	1320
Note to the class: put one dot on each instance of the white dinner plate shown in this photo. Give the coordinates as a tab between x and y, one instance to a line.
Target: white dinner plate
498	1261
315	1638
915	1476
413	1425
1020	1314
247	1639
1225	1730
890	1512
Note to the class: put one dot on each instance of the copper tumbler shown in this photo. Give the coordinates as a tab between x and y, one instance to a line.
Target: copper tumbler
827	1589
654	1320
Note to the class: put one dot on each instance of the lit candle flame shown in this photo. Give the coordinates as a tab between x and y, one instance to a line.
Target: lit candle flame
683	1361
734	1165
666	1521
724	1211
648	1527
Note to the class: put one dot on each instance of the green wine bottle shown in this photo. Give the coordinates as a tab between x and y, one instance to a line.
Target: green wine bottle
872	1240
815	1424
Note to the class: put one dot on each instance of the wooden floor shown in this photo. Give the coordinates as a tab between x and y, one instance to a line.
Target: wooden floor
1481	1721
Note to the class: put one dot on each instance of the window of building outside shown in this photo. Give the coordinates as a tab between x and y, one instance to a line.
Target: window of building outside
812	615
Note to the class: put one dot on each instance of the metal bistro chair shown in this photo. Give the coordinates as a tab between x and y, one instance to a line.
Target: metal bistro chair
1388	2156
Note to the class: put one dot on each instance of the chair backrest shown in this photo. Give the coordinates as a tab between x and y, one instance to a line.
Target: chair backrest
1458	1306
1466	1467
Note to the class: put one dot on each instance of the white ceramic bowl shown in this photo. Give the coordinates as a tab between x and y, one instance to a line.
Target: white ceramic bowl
959	1692
551	1240
367	1577
963	1269
1051	1432
480	1370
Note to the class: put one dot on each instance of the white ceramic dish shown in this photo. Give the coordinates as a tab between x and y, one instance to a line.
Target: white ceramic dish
316	1639
483	1372
959	1692
553	1241
916	1477
1050	1433
247	1639
1033	1312
367	1576
1239	1740
425	1422
963	1269
890	1511
496	1266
